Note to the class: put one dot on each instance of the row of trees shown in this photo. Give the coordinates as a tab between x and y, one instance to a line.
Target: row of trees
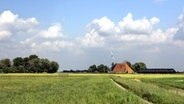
92	69
31	64
100	69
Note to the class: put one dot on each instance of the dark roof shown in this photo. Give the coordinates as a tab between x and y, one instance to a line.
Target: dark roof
157	70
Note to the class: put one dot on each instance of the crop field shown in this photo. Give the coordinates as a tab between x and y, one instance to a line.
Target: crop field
91	89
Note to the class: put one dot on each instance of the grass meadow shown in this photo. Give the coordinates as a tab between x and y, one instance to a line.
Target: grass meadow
91	89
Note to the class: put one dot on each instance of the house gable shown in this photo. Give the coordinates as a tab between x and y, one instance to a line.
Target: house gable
122	68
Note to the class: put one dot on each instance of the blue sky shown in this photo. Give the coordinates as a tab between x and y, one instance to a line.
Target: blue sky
83	32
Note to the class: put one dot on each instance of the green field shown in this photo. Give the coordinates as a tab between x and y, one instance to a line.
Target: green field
91	89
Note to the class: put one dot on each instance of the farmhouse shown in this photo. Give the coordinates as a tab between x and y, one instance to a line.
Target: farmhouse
122	68
157	70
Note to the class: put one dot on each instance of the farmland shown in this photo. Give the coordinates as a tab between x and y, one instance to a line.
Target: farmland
91	89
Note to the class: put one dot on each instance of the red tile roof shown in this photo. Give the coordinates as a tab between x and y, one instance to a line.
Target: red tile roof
122	68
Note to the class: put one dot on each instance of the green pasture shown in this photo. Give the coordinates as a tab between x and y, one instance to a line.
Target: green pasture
68	88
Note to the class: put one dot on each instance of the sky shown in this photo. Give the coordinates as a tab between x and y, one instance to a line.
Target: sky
79	33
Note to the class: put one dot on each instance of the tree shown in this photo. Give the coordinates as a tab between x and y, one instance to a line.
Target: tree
112	66
20	69
139	66
45	65
1	65
6	62
103	68
33	57
92	68
34	66
25	61
6	70
54	67
18	61
9	70
1	70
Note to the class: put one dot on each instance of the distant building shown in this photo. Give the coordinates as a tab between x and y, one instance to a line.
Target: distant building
122	68
157	71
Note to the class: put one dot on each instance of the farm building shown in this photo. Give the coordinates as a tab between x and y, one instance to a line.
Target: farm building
157	70
122	68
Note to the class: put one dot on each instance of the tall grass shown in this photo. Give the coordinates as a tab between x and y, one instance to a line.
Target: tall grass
63	89
167	82
149	92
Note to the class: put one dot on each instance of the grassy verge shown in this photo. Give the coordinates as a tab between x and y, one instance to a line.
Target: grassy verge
151	93
167	82
63	89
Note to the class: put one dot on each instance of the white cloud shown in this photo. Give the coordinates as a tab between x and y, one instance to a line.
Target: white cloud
4	34
97	30
180	23
53	31
55	46
26	33
155	37
154	20
133	38
8	17
102	25
91	39
159	36
130	26
104	32
11	24
180	33
100	32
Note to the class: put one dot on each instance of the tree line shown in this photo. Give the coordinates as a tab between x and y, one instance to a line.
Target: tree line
31	64
105	69
92	69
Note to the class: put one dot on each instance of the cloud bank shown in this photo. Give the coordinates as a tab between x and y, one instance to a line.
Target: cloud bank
131	39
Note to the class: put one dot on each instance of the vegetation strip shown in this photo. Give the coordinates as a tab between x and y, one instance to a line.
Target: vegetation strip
167	82
121	87
170	88
117	84
151	93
